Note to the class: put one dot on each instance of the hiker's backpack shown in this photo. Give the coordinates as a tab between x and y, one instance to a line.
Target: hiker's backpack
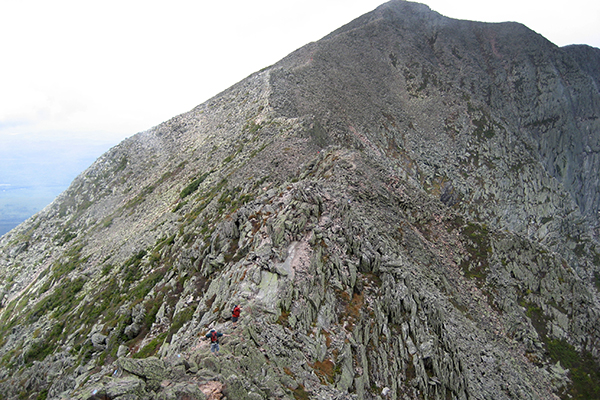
213	337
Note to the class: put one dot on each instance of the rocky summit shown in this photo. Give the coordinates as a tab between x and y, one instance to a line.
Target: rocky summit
405	209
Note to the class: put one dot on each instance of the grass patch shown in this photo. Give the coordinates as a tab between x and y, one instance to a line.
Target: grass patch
39	350
252	127
537	317
122	164
478	247
64	237
74	260
43	395
131	268
60	301
350	308
106	268
146	285
484	125
206	199
139	199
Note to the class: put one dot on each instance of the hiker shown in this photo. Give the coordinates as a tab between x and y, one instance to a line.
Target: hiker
214	336
235	314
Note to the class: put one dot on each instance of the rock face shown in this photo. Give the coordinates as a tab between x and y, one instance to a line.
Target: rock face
405	209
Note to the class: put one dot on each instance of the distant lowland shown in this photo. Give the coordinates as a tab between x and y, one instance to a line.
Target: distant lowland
17	203
34	170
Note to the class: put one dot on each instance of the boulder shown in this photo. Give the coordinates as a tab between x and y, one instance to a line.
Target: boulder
180	391
99	341
132	330
150	368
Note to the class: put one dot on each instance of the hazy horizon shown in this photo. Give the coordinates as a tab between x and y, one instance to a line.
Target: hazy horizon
35	171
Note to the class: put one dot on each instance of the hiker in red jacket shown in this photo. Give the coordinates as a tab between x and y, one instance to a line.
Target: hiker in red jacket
235	314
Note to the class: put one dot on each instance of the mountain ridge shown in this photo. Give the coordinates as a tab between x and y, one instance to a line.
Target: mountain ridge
394	206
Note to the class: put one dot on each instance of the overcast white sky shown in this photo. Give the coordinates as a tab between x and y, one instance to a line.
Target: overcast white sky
105	70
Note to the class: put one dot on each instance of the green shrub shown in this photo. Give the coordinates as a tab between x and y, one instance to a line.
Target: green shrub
61	300
179	320
42	348
64	237
38	351
192	187
151	348
43	395
131	268
585	372
106	269
144	287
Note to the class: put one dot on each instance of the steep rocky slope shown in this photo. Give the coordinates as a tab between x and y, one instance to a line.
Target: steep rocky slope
405	209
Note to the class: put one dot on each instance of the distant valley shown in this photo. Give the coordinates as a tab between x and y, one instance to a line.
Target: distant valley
19	203
34	170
